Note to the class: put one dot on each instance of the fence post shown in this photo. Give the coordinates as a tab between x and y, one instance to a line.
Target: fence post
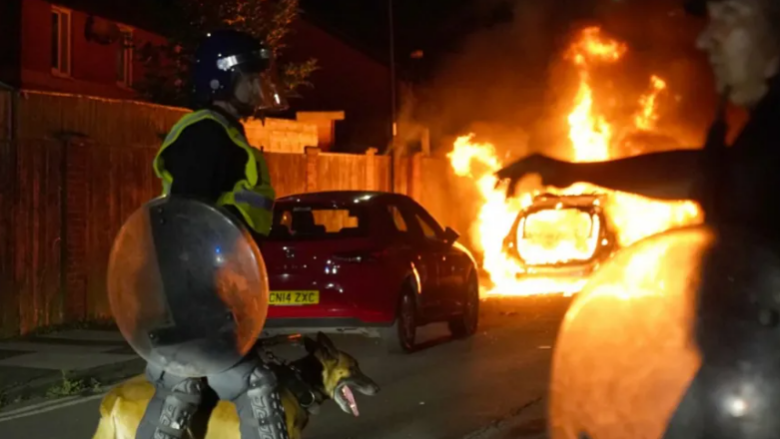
415	177
9	237
74	228
371	169
399	178
312	156
64	229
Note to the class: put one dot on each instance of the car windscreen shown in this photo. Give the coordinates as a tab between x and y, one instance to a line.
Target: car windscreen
296	222
552	236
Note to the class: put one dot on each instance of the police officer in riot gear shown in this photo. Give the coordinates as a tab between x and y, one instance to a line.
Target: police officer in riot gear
206	157
677	336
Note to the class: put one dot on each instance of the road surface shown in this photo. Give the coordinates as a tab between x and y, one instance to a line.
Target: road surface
446	390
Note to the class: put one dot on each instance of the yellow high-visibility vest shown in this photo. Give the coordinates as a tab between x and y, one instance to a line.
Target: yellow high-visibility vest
253	195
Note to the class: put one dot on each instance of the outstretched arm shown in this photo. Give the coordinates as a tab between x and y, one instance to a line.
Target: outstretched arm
668	175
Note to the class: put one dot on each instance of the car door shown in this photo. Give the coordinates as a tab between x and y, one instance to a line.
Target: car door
431	254
453	266
407	239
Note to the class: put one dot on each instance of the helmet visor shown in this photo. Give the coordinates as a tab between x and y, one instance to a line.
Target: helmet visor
261	63
272	96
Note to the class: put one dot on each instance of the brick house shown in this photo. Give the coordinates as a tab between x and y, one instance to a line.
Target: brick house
351	79
83	47
60	48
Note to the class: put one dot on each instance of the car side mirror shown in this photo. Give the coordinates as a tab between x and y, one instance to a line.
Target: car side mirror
450	236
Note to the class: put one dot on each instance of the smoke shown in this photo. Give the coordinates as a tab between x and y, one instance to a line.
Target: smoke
493	80
509	84
661	40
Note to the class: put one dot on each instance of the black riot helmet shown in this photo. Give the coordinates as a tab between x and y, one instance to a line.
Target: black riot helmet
223	58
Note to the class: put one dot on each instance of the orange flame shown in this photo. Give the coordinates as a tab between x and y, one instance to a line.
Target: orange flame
647	116
633	217
590	134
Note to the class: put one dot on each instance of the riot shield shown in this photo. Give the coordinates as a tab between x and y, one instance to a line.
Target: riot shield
187	286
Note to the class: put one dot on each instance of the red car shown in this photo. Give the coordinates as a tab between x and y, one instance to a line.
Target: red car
368	262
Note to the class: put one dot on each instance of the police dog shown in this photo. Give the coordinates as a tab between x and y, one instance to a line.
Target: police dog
324	373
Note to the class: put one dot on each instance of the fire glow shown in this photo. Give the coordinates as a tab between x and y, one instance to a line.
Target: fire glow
556	235
591	136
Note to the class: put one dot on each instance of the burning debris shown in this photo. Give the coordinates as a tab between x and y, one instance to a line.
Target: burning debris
556	235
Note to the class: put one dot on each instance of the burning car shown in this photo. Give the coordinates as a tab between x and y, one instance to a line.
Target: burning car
558	241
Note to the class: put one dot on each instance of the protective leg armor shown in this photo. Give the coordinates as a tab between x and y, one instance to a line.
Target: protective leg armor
175	401
250	385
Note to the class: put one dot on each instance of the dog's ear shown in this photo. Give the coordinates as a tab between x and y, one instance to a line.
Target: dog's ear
310	345
327	345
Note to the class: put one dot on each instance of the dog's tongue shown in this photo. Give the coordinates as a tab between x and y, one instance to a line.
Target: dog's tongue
347	392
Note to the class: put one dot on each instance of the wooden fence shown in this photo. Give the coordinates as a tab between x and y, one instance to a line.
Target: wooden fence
62	203
39	114
73	168
6	120
107	121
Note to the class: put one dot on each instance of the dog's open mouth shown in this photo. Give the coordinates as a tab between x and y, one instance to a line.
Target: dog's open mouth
346	399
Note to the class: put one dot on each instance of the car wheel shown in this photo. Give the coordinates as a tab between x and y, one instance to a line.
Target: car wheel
465	325
400	338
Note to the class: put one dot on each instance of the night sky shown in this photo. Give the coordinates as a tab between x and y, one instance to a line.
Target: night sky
436	27
495	61
440	27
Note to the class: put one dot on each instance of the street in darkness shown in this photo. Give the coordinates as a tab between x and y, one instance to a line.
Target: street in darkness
447	390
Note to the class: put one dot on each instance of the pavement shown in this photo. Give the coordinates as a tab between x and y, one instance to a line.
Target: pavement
63	364
491	386
527	422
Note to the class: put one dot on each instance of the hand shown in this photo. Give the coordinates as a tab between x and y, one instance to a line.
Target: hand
552	171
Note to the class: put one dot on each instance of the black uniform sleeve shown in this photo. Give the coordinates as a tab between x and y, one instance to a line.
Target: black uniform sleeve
203	162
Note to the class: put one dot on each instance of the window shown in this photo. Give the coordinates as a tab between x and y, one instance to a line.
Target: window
398	219
124	57
427	229
60	41
318	222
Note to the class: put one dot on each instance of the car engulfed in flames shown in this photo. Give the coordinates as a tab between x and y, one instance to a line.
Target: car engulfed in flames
558	241
540	244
